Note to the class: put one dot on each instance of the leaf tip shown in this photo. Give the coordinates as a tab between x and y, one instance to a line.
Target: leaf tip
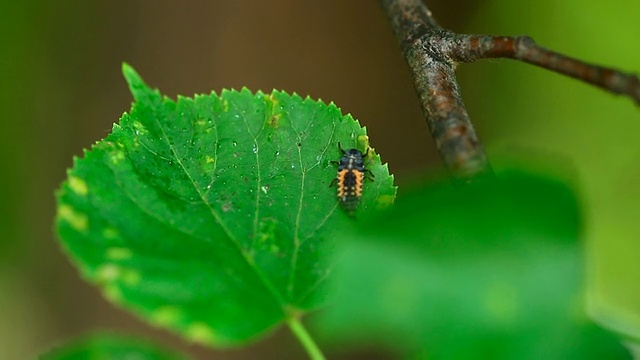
137	86
129	73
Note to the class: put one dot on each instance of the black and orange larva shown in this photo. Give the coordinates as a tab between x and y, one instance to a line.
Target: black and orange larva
350	178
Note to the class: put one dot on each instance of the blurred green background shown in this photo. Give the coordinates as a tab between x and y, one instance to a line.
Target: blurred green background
61	89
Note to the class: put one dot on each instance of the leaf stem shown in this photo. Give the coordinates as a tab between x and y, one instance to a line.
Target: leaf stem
305	339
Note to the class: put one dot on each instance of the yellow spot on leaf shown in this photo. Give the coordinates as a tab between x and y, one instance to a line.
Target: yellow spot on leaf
131	277
384	201
78	221
363	142
109	273
112	292
274	121
166	315
201	333
117	156
78	185
118	253
139	128
266	230
208	163
110	233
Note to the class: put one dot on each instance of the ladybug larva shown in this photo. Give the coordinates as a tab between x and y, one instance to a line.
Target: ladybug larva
350	177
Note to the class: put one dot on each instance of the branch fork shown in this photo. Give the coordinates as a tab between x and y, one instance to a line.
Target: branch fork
433	53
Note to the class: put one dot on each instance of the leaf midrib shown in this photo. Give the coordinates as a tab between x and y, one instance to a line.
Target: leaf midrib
247	257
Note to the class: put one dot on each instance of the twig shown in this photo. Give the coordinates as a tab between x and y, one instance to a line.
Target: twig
433	53
474	47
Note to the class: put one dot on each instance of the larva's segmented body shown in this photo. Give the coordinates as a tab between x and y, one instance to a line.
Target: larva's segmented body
350	178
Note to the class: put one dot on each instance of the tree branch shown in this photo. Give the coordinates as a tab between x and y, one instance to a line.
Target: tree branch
432	54
436	85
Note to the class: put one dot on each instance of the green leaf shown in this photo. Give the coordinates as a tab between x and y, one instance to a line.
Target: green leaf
491	271
213	215
108	347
